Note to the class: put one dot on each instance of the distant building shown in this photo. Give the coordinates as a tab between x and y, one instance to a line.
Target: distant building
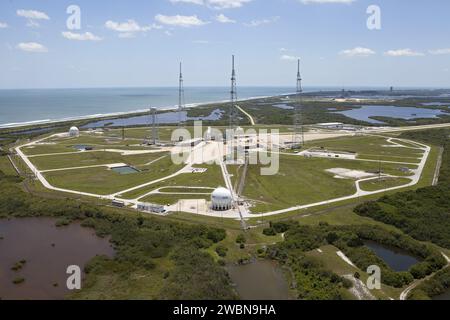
119	204
74	132
222	199
149	207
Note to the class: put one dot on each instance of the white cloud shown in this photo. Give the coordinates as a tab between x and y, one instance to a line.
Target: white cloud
403	53
327	1
224	19
3	25
215	4
32	47
180	21
87	36
32	14
440	51
226	4
287	57
129	28
257	23
357	52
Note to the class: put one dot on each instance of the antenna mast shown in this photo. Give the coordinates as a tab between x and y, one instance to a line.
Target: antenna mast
233	113
299	136
181	99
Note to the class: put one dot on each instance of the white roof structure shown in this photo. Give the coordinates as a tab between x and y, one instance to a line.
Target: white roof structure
222	199
73	131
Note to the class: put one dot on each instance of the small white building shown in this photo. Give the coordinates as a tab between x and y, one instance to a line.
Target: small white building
149	207
222	199
74	132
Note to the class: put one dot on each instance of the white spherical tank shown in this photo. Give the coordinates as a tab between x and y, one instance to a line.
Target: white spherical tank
221	199
74	132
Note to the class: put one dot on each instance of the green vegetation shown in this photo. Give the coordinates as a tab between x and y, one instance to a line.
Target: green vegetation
366	146
104	181
19	280
154	258
349	239
302	181
383	183
95	158
171	199
422	213
436	285
212	178
19	265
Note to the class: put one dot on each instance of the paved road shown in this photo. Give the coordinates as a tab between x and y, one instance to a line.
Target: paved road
404	295
198	155
252	121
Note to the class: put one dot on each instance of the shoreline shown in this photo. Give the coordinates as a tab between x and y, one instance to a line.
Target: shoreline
101	116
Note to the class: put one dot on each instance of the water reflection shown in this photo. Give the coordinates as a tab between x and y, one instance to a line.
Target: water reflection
48	251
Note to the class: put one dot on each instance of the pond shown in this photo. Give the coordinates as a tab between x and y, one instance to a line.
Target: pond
260	280
444	296
397	259
162	118
48	251
125	170
407	113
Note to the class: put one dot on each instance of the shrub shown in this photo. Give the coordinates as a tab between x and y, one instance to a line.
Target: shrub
241	239
269	232
221	250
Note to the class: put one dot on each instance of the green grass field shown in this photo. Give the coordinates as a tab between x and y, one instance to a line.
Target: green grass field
6	167
170	199
212	178
302	181
84	159
104	181
366	146
383	183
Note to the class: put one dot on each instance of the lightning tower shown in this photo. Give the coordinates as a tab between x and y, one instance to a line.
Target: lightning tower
181	100
155	134
299	136
233	111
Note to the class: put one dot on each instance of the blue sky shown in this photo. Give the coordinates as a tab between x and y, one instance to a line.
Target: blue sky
139	43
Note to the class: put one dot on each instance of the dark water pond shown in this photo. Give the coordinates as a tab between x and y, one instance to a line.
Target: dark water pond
48	251
397	259
162	118
365	112
125	170
261	280
444	296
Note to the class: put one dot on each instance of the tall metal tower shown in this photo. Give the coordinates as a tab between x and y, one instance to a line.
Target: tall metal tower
181	119
233	110
155	133
299	136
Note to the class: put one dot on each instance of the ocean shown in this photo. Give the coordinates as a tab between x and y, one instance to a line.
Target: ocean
29	106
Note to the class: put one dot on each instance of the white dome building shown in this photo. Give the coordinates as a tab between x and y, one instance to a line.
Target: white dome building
74	132
222	199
